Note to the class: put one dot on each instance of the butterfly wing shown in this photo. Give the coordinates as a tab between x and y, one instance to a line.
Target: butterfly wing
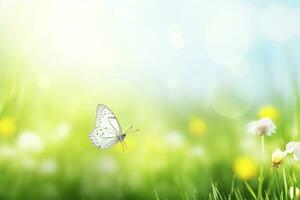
103	138
106	119
107	128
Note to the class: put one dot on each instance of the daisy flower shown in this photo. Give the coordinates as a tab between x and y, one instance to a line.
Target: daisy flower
293	148
261	127
277	157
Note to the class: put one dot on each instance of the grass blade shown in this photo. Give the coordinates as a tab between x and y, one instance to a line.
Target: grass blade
250	189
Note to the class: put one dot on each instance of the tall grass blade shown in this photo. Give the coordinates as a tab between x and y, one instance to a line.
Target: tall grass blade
250	189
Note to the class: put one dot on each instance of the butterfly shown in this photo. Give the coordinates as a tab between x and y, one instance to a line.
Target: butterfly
108	130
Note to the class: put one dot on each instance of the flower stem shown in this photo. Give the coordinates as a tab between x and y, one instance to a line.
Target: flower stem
263	155
260	179
285	183
277	181
263	147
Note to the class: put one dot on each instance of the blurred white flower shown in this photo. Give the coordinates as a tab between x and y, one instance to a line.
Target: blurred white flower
277	157
28	163
7	151
294	193
293	148
48	166
174	139
30	142
63	130
197	151
108	164
261	127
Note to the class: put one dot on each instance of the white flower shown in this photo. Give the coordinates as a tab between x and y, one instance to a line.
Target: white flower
28	163
294	193
174	139
293	148
30	142
197	152
63	131
261	127
277	157
7	151
48	166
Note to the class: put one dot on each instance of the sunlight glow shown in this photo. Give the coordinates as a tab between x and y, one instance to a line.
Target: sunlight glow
230	33
176	36
44	82
66	35
279	22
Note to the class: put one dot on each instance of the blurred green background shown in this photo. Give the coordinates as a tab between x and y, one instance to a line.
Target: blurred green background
189	74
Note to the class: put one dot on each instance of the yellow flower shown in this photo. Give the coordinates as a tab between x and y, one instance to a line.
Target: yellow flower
277	157
245	168
197	126
7	126
268	112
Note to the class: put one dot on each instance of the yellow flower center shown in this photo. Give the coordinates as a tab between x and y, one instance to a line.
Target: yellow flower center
277	157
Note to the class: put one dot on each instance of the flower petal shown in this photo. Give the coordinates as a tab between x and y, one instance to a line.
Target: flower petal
291	146
297	153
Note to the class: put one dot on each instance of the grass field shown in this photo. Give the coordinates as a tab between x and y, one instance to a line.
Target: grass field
181	152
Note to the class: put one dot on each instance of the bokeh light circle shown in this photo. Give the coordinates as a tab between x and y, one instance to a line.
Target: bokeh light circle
230	33
175	36
279	22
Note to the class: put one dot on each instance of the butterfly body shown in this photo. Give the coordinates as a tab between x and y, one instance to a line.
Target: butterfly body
121	137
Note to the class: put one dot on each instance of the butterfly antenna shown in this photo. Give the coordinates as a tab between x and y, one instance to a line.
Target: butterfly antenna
128	130
134	131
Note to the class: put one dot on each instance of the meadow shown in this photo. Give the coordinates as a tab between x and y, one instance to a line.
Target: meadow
181	152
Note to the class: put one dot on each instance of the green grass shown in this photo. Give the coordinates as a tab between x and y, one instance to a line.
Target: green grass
280	187
158	164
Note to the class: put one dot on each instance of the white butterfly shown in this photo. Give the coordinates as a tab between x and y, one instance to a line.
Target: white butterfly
108	130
